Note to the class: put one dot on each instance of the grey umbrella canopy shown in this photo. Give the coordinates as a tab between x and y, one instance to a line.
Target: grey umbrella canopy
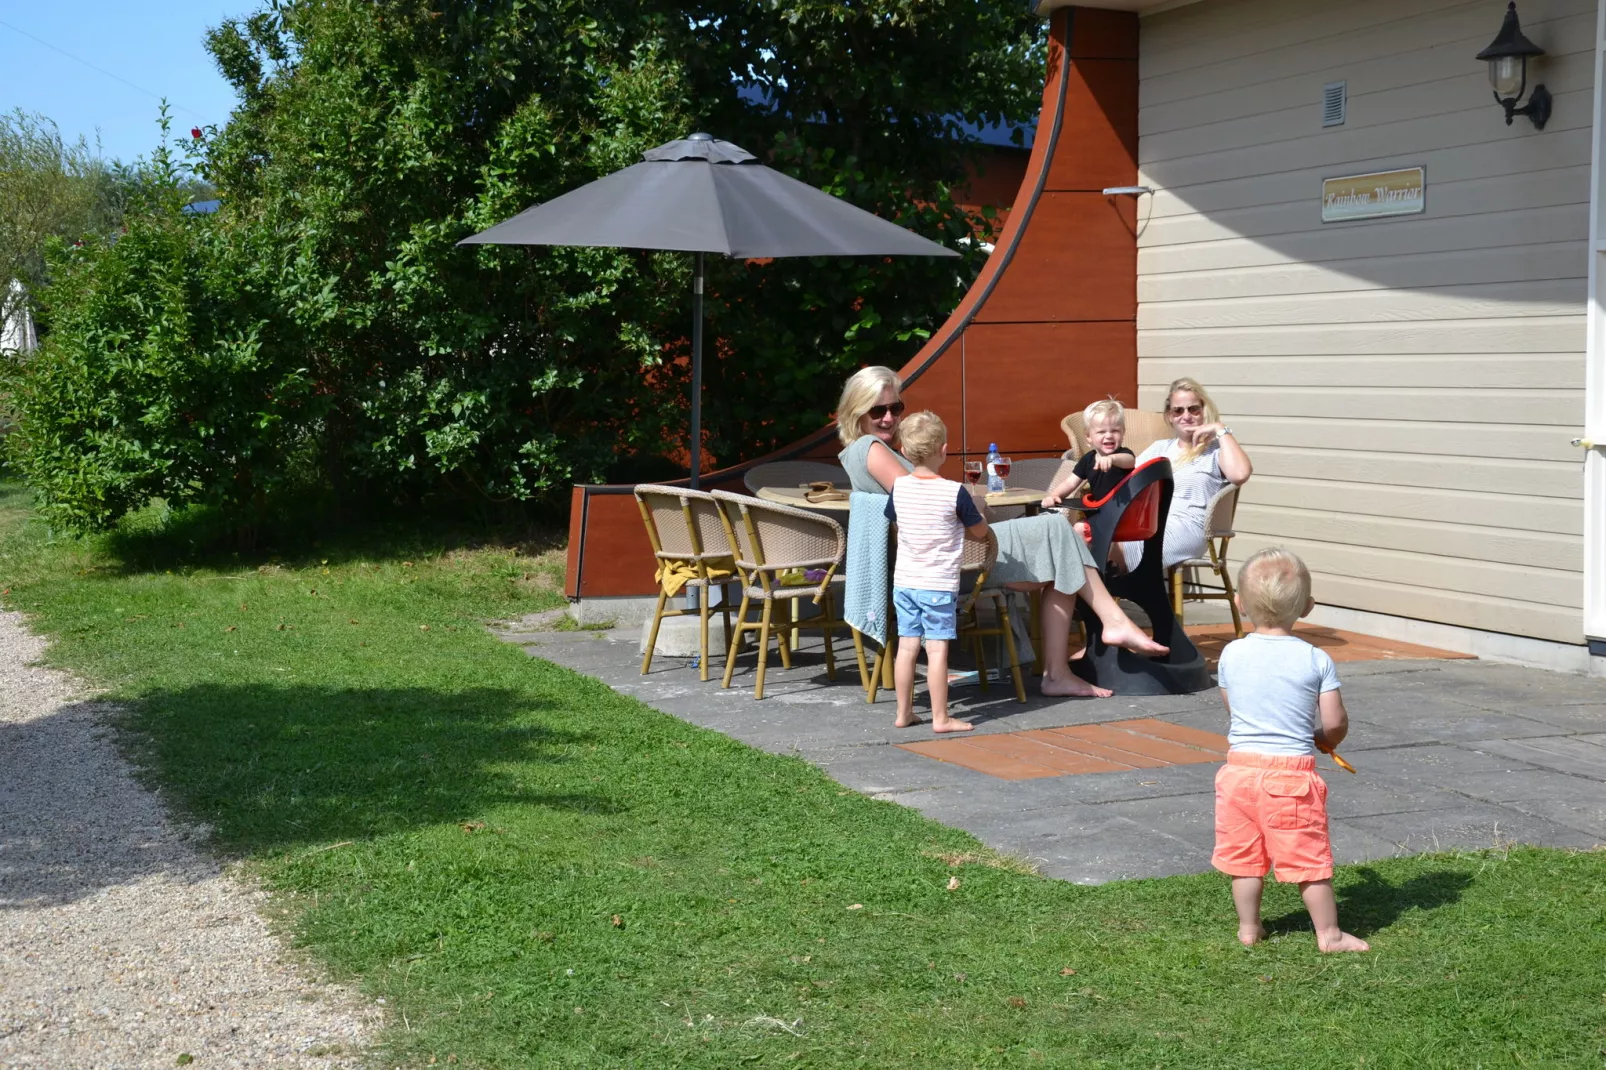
702	195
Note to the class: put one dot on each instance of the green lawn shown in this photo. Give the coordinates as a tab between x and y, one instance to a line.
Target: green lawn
533	871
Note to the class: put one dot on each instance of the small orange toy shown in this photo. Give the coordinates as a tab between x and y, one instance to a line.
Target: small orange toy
1337	757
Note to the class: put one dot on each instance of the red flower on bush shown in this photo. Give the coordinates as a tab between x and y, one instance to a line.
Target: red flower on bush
195	132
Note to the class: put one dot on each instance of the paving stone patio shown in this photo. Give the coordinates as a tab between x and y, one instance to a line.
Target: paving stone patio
1451	753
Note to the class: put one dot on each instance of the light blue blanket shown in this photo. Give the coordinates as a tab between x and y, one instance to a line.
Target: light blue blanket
864	604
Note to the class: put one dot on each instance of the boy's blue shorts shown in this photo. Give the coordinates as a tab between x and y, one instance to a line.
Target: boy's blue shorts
926	614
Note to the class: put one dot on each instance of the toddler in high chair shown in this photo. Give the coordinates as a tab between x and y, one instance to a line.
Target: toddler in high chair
1103	466
1283	703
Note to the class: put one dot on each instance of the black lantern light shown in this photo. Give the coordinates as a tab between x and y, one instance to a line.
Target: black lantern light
1508	71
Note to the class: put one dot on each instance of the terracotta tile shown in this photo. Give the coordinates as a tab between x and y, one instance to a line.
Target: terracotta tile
1042	748
1193	737
1339	645
1152	747
992	763
1076	739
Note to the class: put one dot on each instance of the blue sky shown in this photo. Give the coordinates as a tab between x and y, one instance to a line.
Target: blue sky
156	46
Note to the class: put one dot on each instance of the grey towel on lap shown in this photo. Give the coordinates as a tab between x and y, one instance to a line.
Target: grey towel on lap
1041	549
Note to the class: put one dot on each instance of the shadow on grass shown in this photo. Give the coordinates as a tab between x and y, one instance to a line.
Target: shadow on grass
1373	904
271	768
156	538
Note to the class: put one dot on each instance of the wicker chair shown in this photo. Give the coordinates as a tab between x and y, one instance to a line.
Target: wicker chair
1218	533
1143	429
685	529
769	540
978	557
794	474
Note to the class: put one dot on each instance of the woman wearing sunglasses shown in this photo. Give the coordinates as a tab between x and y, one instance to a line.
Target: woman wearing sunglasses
1034	553
1205	458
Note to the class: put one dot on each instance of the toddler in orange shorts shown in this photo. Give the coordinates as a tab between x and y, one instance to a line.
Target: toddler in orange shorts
1283	702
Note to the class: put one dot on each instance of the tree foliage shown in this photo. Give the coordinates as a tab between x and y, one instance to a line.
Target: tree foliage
49	188
372	136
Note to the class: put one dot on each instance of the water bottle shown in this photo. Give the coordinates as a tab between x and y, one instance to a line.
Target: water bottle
995	482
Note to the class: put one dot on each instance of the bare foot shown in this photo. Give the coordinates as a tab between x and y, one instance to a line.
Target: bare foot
1073	686
908	722
1129	636
1345	942
951	725
1251	937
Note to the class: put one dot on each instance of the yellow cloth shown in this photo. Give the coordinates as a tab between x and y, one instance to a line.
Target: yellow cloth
673	573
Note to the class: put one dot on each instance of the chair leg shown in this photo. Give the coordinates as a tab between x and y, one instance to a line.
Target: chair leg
827	629
725	608
858	654
1014	665
981	659
736	640
702	638
786	633
1232	598
887	682
1176	593
1034	628
652	639
876	681
764	645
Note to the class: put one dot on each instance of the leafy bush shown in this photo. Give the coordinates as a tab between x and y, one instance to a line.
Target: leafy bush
162	375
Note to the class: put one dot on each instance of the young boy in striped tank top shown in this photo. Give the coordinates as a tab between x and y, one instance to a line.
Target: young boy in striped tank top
933	516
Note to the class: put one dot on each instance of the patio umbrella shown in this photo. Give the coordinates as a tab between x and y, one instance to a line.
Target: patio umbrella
701	195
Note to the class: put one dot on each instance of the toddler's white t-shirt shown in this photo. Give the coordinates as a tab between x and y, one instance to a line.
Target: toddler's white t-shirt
1272	684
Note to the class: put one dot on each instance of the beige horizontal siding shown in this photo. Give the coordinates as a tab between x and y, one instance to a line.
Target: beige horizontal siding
1406	388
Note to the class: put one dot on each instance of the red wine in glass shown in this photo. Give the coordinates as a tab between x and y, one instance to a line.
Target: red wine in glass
1001	466
972	472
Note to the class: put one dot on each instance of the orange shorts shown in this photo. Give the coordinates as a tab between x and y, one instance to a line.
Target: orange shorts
1271	813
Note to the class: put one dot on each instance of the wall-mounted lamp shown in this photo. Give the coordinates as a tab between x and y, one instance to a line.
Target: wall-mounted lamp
1508	58
1126	191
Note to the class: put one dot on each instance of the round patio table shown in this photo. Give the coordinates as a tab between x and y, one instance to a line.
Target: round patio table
795	496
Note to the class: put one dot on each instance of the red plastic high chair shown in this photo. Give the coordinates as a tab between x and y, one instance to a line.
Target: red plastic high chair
1136	511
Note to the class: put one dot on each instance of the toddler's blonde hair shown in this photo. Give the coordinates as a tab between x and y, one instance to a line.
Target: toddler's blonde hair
1108	409
924	435
1274	586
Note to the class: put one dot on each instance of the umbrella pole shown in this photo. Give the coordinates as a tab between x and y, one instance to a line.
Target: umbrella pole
692	594
697	372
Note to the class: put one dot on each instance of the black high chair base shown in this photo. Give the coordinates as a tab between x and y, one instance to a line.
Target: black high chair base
1183	671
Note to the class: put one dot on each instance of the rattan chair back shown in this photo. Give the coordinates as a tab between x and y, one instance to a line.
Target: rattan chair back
795	474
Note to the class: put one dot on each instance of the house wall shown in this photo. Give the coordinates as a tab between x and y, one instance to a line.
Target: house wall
1406	387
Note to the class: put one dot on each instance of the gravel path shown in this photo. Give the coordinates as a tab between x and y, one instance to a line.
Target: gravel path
121	944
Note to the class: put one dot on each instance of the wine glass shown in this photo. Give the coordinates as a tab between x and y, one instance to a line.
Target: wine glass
1001	466
973	472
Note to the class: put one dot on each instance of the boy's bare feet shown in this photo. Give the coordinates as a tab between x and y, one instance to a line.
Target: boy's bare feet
952	725
1129	636
906	722
1343	942
1073	686
1251	937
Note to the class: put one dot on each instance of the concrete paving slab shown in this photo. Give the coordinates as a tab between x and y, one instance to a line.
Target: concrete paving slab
1561	753
1451	754
1470	826
1576	802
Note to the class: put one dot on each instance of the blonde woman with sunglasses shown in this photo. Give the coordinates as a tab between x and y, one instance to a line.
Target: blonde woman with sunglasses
1034	552
1205	457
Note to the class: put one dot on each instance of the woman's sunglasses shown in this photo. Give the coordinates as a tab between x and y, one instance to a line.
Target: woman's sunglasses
876	412
1178	410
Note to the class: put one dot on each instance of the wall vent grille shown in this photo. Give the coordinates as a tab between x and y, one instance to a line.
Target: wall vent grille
1335	102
